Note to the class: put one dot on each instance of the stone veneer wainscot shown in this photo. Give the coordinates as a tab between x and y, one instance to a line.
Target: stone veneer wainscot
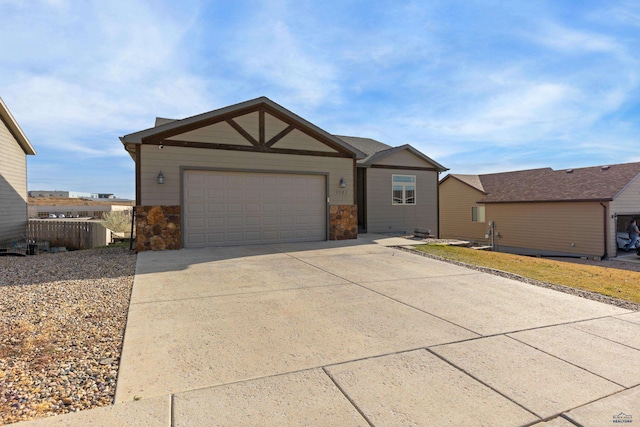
157	228
343	222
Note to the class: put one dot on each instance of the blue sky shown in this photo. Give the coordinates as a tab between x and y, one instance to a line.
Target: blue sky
479	86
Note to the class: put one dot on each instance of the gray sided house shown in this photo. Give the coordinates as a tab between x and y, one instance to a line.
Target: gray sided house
14	147
256	173
571	212
397	188
249	173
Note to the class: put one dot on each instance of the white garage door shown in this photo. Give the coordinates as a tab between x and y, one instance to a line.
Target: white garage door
237	208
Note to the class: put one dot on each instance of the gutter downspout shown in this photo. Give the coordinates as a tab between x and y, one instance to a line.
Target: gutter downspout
604	216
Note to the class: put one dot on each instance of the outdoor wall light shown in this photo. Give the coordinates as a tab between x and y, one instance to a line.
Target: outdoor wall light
160	178
343	183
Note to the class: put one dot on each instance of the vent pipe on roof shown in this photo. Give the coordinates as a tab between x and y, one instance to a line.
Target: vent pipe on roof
569	171
604	168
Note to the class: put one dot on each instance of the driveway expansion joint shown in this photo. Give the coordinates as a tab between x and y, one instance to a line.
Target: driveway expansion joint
469	374
565	361
346	395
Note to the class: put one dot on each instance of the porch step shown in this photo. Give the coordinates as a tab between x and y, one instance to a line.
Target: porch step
482	248
422	233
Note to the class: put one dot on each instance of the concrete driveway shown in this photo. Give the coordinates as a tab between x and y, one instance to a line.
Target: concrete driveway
357	334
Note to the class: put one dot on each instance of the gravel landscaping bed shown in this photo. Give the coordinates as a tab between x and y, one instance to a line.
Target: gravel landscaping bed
61	329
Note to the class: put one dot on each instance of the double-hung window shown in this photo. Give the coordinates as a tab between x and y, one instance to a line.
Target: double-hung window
404	189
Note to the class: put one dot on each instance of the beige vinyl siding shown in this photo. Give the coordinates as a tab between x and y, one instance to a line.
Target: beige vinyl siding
297	140
546	228
13	186
170	159
403	158
272	126
383	216
220	133
251	123
456	201
627	203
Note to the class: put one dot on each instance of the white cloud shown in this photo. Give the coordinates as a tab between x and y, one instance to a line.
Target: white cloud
123	66
575	41
272	54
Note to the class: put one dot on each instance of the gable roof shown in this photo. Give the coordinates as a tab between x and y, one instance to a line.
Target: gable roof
376	151
367	145
596	183
14	128
471	180
165	128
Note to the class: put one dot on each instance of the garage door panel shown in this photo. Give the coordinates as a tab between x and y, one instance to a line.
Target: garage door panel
286	235
195	239
253	221
251	194
215	238
196	193
215	222
195	222
269	221
233	208
195	208
214	194
253	208
234	237
285	220
253	236
233	194
209	180
235	221
215	208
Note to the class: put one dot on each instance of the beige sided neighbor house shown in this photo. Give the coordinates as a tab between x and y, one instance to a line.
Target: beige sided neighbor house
255	173
546	212
14	147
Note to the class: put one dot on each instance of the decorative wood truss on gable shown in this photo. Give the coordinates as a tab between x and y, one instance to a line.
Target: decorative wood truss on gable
256	129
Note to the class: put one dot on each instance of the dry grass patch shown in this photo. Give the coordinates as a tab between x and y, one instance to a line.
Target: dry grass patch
612	282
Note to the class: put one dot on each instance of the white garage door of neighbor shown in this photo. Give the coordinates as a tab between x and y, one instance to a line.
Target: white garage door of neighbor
238	208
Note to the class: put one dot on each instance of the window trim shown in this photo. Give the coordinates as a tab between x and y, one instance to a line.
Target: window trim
404	186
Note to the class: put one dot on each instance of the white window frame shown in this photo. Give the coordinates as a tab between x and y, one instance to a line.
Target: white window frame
477	214
405	185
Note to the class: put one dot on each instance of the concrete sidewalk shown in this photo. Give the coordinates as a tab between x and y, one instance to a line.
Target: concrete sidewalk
356	333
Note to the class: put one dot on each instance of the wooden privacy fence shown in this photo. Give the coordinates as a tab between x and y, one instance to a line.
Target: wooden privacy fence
71	234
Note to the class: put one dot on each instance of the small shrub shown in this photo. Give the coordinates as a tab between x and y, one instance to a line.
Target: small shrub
118	221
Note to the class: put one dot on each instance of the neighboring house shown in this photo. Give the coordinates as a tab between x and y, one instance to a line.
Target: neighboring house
397	188
255	173
546	212
14	147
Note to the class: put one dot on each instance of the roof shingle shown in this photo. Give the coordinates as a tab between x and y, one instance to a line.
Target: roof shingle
547	185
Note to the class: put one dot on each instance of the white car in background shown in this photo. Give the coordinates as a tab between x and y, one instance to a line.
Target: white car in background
622	237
